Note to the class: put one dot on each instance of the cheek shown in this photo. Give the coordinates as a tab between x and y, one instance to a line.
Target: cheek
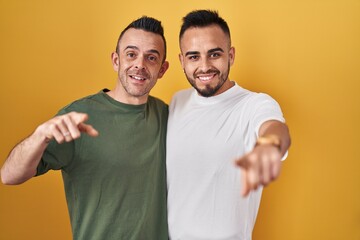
124	67
154	71
125	64
190	68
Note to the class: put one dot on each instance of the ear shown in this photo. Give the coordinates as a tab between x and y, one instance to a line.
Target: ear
181	58
115	61
163	69
232	55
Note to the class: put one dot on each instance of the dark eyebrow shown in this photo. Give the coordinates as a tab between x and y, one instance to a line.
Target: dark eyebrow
154	51
149	51
215	50
191	53
131	47
210	51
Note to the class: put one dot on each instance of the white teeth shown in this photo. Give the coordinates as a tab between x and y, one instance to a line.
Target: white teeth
205	78
138	78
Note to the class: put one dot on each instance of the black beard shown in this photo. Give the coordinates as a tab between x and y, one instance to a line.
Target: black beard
210	91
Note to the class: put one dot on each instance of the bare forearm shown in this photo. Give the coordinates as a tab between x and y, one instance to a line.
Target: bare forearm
280	130
262	165
23	160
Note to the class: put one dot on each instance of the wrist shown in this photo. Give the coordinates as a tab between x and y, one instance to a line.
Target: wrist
271	139
39	136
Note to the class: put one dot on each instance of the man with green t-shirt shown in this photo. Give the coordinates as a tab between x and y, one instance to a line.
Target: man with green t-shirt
114	172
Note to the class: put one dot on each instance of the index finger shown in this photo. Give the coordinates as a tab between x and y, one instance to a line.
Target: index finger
245	186
90	130
78	118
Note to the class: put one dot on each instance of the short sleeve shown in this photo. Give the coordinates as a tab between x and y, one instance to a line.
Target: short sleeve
265	109
56	156
260	108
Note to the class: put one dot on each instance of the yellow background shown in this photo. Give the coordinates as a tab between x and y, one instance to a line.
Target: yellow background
306	54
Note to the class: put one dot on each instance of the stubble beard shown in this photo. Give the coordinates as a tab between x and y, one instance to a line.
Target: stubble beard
132	90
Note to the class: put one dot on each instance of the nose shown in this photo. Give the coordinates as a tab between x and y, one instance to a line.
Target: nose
204	65
140	62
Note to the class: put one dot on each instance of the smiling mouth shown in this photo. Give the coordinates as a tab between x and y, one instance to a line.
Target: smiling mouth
206	78
138	78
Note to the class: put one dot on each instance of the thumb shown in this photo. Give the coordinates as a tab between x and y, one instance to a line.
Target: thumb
244	165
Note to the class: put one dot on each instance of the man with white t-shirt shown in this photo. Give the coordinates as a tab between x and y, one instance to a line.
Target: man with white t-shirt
212	128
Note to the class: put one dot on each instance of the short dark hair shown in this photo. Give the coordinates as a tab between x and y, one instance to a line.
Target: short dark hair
147	24
203	18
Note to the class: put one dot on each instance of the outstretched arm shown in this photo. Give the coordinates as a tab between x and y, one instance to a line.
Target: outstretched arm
23	160
262	165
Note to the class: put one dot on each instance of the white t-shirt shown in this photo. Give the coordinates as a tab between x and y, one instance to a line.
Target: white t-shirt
205	136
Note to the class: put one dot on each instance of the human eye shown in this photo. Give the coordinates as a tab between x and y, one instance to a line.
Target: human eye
152	58
215	55
130	54
193	57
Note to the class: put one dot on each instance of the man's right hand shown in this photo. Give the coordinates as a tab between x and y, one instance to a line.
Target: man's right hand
23	160
66	128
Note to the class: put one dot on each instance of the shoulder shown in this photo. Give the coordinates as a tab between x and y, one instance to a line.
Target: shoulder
253	103
261	98
184	93
83	104
252	97
158	106
181	96
154	101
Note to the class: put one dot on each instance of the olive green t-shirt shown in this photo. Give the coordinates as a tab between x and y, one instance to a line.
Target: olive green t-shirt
115	183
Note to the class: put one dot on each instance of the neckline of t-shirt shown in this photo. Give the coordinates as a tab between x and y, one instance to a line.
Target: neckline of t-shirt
218	98
122	105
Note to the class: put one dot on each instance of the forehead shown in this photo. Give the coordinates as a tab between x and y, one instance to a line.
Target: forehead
204	38
143	40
